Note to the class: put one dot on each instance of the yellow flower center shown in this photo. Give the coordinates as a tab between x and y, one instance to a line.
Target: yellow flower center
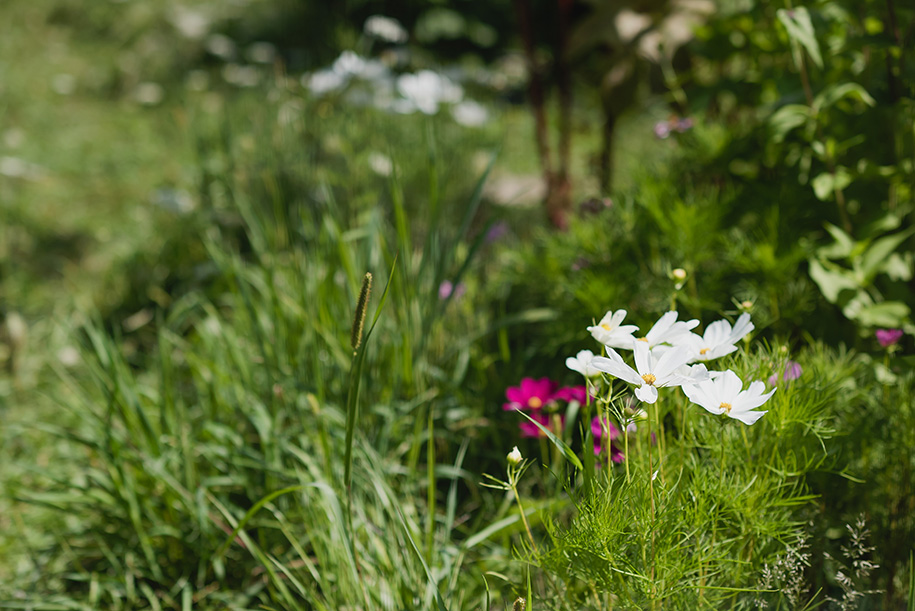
643	339
704	350
606	327
726	407
534	403
649	378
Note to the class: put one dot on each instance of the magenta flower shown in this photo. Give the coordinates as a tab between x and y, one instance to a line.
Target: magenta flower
888	337
792	372
529	429
616	455
571	393
530	395
446	288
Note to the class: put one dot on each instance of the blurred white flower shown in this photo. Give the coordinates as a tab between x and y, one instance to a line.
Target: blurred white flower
221	46
581	363
14	167
241	76
64	84
190	23
261	53
348	64
611	333
323	81
14	137
723	395
148	93
470	114
381	164
427	89
385	28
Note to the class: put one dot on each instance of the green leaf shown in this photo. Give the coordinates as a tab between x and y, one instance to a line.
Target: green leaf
842	248
899	267
831	281
439	601
559	443
800	29
833	93
826	184
787	118
876	256
886	314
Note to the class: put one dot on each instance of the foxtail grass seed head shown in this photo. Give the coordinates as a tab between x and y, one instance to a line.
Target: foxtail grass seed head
362	307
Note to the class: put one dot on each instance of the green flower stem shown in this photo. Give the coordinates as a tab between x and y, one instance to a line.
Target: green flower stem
513	483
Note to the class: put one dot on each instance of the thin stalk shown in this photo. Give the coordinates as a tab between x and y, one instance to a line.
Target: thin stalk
527	527
430	491
653	513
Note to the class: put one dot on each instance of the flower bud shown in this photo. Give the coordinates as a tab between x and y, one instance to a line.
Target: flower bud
679	274
514	457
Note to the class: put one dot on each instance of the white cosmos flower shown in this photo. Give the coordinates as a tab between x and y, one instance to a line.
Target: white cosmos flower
611	333
385	28
668	330
723	394
719	338
581	363
652	371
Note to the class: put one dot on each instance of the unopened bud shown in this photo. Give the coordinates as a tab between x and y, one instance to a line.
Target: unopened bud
679	274
520	604
746	305
514	457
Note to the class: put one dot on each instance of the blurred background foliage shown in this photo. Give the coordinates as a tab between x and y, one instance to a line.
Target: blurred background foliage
191	191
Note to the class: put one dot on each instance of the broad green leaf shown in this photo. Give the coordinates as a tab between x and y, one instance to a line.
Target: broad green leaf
899	267
826	184
833	93
843	246
877	254
831	281
787	118
886	314
800	28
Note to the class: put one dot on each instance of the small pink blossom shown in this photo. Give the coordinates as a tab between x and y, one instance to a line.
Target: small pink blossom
529	429
888	337
597	430
792	372
446	289
571	393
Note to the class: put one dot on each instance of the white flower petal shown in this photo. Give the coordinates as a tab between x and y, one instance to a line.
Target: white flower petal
646	393
616	368
747	417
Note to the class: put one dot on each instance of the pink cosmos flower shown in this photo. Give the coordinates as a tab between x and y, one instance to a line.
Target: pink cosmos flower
529	429
530	395
792	372
571	393
598	432
888	337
